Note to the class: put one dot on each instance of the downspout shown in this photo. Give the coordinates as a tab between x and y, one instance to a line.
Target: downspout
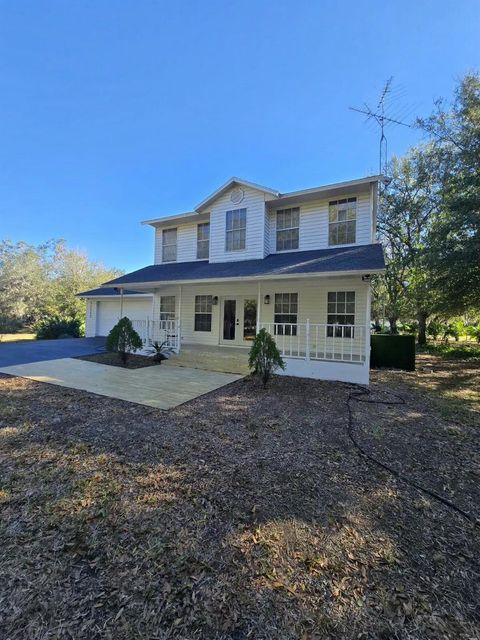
121	303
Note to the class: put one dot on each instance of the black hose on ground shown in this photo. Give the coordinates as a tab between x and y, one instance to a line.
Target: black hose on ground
359	396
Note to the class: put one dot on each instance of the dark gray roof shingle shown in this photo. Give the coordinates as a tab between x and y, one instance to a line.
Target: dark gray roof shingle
108	291
362	258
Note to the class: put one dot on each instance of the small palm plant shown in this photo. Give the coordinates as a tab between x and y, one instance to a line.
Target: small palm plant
264	357
160	351
123	339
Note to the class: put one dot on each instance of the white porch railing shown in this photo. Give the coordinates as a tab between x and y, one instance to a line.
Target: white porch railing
167	331
311	341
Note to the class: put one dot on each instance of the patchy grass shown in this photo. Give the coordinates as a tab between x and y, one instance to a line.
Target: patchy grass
451	350
16	337
452	384
245	514
113	359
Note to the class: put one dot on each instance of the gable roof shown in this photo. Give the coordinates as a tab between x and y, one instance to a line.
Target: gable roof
200	214
230	183
347	260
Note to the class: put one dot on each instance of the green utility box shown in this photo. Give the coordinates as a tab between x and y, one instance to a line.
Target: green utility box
392	352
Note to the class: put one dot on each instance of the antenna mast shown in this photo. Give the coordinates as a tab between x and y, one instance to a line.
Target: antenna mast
382	120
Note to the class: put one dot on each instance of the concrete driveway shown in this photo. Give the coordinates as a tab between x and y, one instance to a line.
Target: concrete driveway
14	353
159	386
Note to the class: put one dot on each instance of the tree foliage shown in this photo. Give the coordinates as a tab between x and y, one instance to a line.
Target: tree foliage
429	219
409	207
264	357
123	339
40	282
455	238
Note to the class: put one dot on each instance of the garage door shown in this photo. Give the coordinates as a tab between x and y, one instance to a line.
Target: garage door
108	312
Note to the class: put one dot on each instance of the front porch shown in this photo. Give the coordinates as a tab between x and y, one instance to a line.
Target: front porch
212	326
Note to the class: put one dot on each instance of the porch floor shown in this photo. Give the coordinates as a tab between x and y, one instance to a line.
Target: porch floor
223	359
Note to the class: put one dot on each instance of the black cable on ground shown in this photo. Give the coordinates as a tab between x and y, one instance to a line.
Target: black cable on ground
358	396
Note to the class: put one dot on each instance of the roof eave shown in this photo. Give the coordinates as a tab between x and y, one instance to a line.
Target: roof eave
111	295
329	190
276	276
167	220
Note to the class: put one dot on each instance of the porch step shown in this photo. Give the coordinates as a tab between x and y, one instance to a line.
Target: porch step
222	359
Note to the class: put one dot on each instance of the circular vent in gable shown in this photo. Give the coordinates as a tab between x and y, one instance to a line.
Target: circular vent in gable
236	196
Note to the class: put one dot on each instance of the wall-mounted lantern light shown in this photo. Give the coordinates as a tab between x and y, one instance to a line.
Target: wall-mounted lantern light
266	299
215	300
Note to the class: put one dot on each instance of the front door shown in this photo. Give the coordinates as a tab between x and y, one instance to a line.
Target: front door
229	319
239	316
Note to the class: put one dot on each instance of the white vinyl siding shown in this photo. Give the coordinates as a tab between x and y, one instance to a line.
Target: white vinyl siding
261	228
313	232
312	301
254	202
186	243
169	245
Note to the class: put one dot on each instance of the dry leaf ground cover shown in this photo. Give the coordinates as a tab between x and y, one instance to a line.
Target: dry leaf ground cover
246	513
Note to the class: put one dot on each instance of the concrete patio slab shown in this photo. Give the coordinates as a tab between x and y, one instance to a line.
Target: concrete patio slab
158	386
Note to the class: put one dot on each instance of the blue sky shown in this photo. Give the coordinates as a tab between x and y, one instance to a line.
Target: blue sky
116	111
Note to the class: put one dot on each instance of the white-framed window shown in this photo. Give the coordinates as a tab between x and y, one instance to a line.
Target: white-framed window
167	307
203	240
203	313
342	221
286	310
288	222
169	245
235	230
340	314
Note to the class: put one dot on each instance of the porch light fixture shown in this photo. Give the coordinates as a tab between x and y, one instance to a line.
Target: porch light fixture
266	299
215	300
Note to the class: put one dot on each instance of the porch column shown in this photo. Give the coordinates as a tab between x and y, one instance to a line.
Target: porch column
259	302
121	302
179	321
179	302
367	325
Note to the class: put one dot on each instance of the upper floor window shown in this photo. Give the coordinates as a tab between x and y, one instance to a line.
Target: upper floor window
285	318
169	245
340	314
203	240
167	307
235	230
342	221
287	228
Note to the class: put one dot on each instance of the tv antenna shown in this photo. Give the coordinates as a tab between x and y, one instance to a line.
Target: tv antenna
379	116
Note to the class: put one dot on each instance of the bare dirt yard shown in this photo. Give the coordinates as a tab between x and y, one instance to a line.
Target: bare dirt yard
245	514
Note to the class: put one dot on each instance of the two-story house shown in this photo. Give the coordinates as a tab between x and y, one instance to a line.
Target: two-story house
247	257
